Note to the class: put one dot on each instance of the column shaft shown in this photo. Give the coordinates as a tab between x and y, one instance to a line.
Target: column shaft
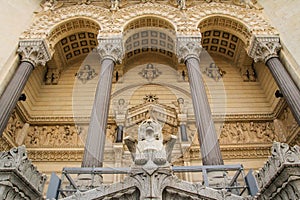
210	149
10	96
286	85
94	148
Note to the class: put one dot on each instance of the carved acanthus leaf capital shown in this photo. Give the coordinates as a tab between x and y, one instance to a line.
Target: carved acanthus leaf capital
188	47
34	51
111	48
262	48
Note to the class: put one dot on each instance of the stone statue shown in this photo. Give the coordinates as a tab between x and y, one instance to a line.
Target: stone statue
149	151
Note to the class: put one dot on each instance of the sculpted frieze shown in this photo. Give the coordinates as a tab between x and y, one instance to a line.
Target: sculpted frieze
55	136
248	132
68	136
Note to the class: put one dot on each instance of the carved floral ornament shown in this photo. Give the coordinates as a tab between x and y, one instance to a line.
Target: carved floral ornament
34	51
188	47
112	23
264	47
111	48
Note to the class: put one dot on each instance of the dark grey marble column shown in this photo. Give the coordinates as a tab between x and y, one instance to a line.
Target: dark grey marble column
111	51
94	147
33	53
286	85
265	49
188	50
10	96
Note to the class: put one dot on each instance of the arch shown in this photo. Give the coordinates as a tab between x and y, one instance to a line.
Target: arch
136	12
251	19
69	26
45	22
225	23
148	21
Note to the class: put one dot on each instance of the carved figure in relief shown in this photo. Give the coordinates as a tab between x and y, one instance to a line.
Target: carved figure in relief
181	105
114	5
120	107
181	4
111	131
85	74
149	151
213	71
51	5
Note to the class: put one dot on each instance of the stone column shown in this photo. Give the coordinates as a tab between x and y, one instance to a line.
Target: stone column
265	49
33	53
111	52
188	51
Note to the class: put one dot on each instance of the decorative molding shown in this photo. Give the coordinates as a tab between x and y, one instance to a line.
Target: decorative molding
113	23
39	154
214	72
86	73
262	48
111	48
188	47
34	52
16	161
250	132
150	72
280	176
252	151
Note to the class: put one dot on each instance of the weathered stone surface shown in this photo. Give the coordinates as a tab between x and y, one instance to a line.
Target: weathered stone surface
19	179
280	176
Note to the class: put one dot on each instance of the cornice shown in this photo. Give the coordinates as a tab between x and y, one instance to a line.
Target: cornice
240	151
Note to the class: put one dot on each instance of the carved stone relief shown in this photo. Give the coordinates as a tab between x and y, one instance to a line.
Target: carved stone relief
280	176
34	51
86	73
62	135
52	76
16	160
100	12
286	127
54	136
248	132
214	72
150	72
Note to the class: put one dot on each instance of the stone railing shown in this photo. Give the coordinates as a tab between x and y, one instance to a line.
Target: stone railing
19	179
280	176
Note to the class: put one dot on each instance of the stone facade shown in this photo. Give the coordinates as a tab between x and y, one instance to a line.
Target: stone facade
148	43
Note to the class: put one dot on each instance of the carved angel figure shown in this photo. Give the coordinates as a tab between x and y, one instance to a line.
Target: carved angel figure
51	5
149	149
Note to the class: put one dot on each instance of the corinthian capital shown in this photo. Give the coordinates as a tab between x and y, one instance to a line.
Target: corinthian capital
262	48
34	51
188	47
111	48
